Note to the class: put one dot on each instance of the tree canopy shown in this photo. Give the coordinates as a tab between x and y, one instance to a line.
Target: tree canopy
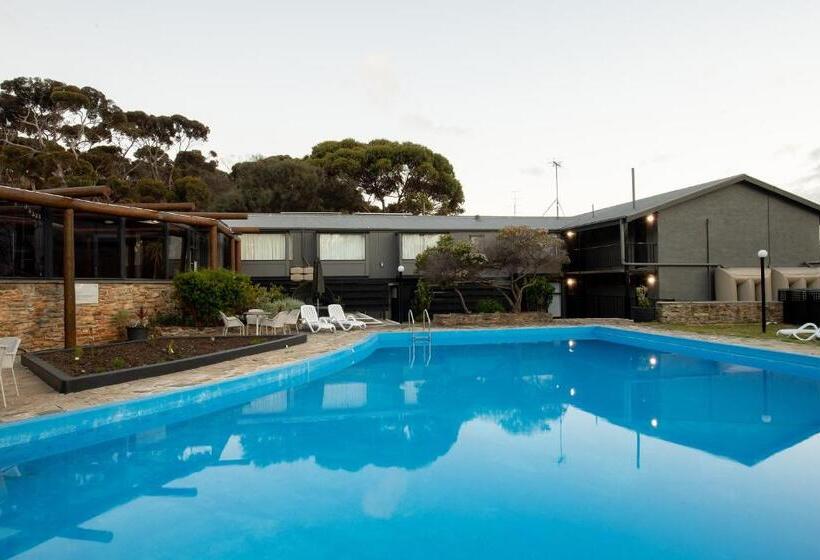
450	264
393	176
54	134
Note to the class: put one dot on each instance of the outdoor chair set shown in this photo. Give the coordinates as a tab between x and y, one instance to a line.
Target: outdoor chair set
294	319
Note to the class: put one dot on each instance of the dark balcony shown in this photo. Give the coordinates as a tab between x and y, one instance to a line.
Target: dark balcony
642	252
595	258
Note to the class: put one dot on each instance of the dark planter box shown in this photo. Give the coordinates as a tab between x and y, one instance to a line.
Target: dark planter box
136	333
66	383
643	314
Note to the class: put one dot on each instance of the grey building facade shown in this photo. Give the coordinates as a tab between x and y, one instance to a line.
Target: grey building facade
671	243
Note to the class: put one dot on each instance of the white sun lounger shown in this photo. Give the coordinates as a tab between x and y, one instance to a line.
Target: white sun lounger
806	332
344	322
310	317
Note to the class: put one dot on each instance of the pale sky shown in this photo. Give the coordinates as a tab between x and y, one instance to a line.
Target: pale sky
685	91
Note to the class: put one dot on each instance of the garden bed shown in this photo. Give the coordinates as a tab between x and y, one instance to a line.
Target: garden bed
89	367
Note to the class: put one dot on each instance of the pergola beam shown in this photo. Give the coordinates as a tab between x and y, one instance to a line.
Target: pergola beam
80	192
58	201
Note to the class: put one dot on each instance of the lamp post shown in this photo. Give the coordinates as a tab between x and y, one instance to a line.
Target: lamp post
762	254
400	270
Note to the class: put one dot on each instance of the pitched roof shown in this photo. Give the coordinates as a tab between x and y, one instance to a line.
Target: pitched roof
405	222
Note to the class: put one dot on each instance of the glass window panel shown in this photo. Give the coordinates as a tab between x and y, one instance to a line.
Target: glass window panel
264	246
414	243
342	246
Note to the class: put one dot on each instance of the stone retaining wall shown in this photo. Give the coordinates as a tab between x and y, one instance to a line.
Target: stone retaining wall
490	319
34	310
715	312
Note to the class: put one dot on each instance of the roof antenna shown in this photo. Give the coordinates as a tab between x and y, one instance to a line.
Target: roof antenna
593	210
556	164
633	188
515	202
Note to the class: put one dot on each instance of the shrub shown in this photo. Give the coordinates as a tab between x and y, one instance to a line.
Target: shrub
284	304
202	294
490	305
539	294
642	297
117	362
266	296
422	298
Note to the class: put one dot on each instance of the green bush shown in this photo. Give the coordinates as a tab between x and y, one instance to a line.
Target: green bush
267	296
490	306
538	296
422	298
202	294
284	304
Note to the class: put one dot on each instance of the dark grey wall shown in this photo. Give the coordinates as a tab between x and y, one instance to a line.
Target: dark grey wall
742	220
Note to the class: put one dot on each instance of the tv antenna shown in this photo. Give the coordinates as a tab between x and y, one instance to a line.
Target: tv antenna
515	202
556	203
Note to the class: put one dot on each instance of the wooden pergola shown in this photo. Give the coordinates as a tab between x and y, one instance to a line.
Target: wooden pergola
71	205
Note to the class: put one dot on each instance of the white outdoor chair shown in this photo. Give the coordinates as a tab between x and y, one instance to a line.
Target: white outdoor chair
804	333
280	321
311	318
231	323
8	351
344	322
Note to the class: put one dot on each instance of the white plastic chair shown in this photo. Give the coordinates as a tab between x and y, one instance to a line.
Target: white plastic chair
8	352
804	333
311	318
280	321
254	318
344	322
231	323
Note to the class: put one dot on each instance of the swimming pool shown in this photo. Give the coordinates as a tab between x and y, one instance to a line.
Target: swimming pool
529	443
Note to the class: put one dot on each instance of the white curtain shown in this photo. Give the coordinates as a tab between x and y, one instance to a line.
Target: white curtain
342	246
264	246
414	243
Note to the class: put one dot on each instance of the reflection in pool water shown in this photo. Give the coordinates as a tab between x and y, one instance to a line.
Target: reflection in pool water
552	449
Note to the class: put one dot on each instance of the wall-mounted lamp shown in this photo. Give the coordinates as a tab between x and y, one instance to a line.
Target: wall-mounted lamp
650	219
570	234
650	280
570	282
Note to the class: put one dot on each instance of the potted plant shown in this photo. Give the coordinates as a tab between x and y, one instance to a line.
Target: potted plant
644	310
138	329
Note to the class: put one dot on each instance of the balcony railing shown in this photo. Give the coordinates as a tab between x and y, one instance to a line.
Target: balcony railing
593	258
642	252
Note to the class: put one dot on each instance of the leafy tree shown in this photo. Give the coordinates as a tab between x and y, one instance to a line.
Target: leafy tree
281	183
450	264
397	177
520	254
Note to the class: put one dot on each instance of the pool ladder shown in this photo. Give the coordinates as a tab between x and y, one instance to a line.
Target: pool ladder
424	336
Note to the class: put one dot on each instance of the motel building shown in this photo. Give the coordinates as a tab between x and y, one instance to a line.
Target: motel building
695	249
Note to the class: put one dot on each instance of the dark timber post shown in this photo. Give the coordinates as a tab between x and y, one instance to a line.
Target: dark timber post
213	248
69	300
123	248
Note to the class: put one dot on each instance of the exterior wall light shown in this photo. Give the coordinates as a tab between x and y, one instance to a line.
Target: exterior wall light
570	234
651	279
650	219
570	282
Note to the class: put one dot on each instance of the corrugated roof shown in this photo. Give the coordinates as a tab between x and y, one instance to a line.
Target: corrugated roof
404	222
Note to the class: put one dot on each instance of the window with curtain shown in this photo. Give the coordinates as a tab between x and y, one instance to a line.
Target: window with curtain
264	246
414	243
342	246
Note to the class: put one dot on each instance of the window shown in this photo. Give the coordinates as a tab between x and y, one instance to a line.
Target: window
412	244
264	246
341	246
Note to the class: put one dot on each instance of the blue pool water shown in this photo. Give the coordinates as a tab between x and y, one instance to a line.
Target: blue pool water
538	443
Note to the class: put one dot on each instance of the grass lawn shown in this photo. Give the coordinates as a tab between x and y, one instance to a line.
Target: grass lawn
742	330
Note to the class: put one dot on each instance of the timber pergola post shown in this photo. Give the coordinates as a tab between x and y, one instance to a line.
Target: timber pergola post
69	299
213	246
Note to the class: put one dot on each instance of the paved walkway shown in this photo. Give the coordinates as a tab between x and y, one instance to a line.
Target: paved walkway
36	398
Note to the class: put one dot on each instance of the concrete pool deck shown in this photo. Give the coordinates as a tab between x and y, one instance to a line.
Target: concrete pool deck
37	399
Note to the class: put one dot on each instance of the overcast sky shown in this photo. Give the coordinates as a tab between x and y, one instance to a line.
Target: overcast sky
684	91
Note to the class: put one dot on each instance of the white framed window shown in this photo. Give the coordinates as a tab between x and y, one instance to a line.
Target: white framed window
342	246
414	243
264	246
